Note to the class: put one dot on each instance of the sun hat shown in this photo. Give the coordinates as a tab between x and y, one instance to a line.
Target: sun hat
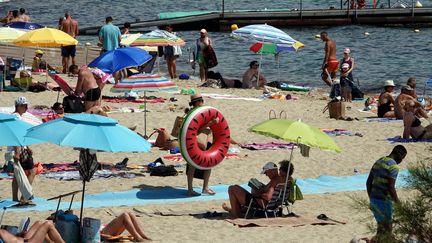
39	52
268	166
347	50
345	65
204	31
21	101
389	83
195	98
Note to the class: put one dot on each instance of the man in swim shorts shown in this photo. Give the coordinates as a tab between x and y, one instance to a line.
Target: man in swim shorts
86	84
250	77
330	64
381	190
69	26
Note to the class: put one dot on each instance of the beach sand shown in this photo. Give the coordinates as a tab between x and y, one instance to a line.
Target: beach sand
357	153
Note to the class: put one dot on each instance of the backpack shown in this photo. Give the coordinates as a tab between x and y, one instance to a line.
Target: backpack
26	159
73	104
356	92
163	170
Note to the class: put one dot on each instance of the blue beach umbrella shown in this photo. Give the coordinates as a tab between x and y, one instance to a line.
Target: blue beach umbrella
24	25
13	130
264	33
118	59
90	131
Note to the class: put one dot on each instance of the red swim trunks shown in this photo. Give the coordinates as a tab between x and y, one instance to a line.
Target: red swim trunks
332	65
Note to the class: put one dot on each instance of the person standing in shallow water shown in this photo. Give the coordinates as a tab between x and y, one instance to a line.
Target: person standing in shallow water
202	43
330	63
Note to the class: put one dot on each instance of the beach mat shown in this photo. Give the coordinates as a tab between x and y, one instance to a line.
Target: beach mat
336	132
279	222
172	195
378	119
399	139
267	146
228	97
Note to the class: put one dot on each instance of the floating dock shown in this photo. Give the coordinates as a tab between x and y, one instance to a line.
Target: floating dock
221	21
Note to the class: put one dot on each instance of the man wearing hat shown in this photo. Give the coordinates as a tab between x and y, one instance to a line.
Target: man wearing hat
239	196
407	95
39	63
386	100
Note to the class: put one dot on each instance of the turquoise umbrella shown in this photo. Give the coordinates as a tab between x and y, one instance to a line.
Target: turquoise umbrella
13	130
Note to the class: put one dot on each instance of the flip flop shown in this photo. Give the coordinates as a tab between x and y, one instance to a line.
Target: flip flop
209	192
24	205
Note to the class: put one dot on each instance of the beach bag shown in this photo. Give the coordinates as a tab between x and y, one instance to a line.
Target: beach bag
26	159
73	104
184	76
177	50
90	230
336	109
295	193
210	57
356	93
67	225
177	125
163	170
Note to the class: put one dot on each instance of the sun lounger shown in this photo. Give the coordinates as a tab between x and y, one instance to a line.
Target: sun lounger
61	83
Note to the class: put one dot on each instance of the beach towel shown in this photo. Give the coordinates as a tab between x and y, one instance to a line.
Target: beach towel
267	146
178	157
378	119
399	139
336	132
23	183
280	222
99	174
228	97
123	100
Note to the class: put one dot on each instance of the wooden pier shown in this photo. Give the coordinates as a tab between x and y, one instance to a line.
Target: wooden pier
221	21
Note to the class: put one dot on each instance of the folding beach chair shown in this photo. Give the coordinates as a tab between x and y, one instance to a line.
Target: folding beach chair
62	84
59	197
274	206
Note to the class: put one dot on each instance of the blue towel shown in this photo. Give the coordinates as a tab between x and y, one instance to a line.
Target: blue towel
399	139
383	120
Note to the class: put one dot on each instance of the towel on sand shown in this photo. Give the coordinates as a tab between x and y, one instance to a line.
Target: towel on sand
378	119
267	146
178	157
336	132
399	139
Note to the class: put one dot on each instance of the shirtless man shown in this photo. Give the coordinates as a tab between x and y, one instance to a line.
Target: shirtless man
70	26
250	77
330	64
407	95
15	17
24	16
86	84
412	83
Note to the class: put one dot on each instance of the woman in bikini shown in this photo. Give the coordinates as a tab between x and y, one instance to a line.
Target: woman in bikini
412	124
126	221
386	100
39	232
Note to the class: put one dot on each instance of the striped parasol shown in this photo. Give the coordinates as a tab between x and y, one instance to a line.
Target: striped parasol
145	83
8	34
158	38
264	33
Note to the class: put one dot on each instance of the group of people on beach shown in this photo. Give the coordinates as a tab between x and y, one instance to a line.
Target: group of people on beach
15	16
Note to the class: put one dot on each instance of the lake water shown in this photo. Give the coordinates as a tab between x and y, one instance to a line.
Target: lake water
387	53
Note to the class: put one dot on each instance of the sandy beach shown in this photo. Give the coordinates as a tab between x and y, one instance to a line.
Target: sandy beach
358	153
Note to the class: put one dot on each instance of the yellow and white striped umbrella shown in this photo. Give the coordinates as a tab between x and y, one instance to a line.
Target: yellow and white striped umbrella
8	34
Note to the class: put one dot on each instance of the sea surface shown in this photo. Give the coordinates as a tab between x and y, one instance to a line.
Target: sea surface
386	53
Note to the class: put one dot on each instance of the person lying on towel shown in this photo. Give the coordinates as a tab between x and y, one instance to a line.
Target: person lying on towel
126	221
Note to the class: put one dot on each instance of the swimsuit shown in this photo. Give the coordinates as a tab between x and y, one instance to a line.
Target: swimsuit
92	94
384	108
332	64
417	123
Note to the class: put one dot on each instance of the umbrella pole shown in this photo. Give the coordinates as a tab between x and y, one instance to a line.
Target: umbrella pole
278	65
82	203
259	70
145	115
286	178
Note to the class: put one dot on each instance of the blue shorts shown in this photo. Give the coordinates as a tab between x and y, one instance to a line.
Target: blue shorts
382	210
68	51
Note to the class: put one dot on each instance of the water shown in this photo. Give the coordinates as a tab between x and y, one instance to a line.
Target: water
387	53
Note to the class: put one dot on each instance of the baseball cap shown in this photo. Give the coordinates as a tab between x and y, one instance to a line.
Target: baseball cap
346	50
268	166
345	65
203	31
389	83
21	101
406	87
39	52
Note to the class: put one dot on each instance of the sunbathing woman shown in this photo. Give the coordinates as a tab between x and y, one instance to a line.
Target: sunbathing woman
412	124
38	232
126	221
386	100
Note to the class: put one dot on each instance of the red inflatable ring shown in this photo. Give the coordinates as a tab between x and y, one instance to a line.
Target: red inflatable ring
191	152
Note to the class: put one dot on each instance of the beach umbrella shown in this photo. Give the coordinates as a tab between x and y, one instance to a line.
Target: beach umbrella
297	132
267	39
118	59
158	38
145	83
128	39
89	131
8	34
26	26
13	130
45	37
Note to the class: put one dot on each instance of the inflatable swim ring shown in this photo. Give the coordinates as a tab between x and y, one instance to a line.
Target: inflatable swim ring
196	119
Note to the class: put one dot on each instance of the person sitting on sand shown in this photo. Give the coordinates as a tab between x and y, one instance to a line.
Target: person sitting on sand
407	95
40	231
239	196
39	63
250	77
412	83
58	109
126	221
88	85
386	100
412	124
